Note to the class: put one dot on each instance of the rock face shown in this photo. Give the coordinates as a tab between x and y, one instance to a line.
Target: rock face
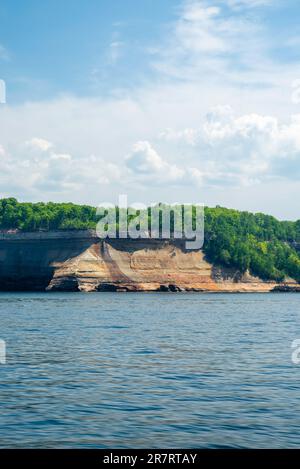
68	261
285	288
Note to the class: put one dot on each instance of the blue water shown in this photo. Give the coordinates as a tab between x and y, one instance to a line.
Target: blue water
149	370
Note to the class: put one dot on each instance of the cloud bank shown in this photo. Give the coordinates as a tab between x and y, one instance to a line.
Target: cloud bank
218	123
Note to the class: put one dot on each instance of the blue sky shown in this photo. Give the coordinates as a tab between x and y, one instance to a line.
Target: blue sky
74	46
190	100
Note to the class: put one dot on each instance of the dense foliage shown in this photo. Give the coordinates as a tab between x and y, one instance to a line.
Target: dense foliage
45	216
255	242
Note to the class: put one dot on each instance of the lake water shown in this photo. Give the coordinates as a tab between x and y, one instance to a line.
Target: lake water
149	370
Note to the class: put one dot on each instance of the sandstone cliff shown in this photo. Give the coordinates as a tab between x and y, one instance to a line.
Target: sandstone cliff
79	261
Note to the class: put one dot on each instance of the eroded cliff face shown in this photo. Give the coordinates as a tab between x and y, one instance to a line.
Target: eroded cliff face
81	262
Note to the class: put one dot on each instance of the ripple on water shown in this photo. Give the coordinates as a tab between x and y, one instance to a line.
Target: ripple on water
109	370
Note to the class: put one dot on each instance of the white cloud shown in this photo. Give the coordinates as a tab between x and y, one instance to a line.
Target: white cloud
204	37
60	156
39	144
226	150
144	160
85	159
37	170
198	29
242	150
188	135
221	44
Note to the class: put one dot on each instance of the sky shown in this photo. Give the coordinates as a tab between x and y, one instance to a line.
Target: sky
172	100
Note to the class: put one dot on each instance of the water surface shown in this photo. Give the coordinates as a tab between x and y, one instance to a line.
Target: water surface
149	370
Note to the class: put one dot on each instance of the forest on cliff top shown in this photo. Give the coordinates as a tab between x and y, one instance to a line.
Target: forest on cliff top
259	243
